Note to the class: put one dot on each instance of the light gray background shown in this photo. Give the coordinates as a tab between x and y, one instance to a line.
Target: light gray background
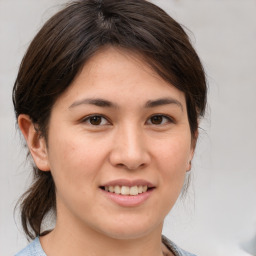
218	217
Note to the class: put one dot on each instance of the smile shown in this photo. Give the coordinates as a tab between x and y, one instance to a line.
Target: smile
125	190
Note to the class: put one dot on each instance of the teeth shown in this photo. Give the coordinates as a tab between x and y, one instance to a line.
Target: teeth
125	190
117	190
134	191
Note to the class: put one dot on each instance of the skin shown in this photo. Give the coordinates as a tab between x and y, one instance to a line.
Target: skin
131	140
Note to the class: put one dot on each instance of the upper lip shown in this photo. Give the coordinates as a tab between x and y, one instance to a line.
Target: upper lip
128	183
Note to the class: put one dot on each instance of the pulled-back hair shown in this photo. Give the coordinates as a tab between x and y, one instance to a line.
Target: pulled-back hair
66	42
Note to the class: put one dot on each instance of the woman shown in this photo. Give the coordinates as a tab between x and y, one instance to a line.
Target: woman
108	98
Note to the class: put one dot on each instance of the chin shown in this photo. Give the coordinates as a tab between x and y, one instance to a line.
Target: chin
131	230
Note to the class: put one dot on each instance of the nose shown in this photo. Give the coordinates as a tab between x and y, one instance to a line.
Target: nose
130	149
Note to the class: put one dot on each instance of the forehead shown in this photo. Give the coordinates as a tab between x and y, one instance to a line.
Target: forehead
119	74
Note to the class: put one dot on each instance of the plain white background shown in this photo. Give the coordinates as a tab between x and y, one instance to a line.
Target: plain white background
218	217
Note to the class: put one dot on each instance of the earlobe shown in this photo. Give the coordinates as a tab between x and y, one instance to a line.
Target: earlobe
36	143
189	166
193	146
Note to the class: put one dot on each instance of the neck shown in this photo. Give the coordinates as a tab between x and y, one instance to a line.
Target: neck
67	240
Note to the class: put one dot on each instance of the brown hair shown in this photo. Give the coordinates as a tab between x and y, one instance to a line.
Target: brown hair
68	40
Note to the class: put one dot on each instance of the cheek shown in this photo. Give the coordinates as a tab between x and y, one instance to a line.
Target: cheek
75	160
67	161
174	153
173	157
74	170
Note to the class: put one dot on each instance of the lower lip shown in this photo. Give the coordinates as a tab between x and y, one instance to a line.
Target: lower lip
128	201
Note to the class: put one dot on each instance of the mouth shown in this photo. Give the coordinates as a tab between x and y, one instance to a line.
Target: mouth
128	193
127	190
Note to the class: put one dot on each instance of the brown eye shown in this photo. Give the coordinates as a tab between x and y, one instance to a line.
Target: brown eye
95	120
156	119
159	120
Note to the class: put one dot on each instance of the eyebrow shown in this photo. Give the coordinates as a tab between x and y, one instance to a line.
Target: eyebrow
163	101
105	103
92	101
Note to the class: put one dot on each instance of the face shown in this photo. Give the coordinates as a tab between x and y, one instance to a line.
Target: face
119	145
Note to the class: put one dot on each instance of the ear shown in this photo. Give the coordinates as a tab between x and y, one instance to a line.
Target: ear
36	143
192	151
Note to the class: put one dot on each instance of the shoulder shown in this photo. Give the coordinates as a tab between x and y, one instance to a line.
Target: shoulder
33	249
174	248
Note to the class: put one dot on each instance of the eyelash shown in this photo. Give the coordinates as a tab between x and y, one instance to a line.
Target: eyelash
88	120
165	118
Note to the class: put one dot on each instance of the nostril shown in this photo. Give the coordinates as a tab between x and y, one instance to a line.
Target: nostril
131	166
120	165
128	159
